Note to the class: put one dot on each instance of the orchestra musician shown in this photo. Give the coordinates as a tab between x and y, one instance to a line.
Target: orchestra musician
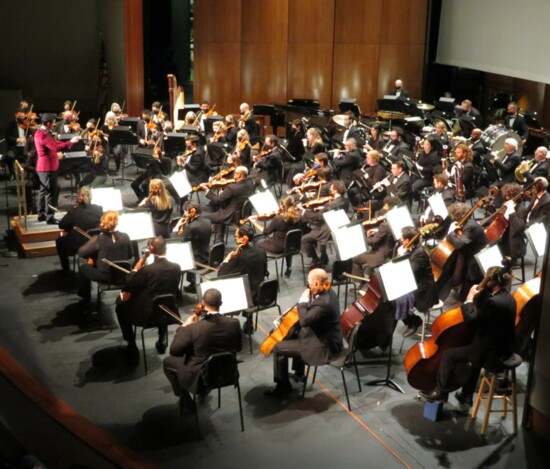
425	295
145	129
117	111
295	143
161	206
156	113
400	183
351	129
95	147
441	186
109	244
32	182
439	137
516	122
242	150
47	164
395	146
85	216
231	129
246	260
193	161
66	124
477	147
507	165
467	241
347	162
319	337
320	165
492	312
372	173
248	123
462	172
17	132
468	117
538	167
399	91
320	232
279	226
426	161
375	140
381	243
268	163
314	143
143	284
111	121
196	229
204	333
539	206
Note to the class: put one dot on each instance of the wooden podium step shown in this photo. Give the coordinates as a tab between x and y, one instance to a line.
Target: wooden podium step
37	239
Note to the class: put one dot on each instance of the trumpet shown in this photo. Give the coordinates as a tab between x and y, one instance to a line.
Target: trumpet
496	154
524	167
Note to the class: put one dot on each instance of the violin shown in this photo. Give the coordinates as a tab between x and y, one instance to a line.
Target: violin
181	160
243	144
259	217
224	173
245	116
315	203
151	125
236	252
218	184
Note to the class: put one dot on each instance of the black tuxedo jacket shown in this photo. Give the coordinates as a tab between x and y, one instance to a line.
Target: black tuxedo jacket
540	210
320	333
401	188
86	217
425	296
197	169
538	170
195	343
231	199
346	165
198	232
520	125
506	167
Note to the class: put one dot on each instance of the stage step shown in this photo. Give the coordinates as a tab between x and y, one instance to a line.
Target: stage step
37	239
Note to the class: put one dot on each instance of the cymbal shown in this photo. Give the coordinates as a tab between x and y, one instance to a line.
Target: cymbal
425	106
339	119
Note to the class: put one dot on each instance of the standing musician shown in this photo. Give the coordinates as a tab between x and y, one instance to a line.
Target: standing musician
491	310
395	146
17	132
197	230
248	123
468	241
540	202
246	260
204	333
231	200
516	122
193	161
425	295
506	166
47	164
318	338
110	244
348	161
381	243
107	128
538	167
288	219
426	161
161	206
83	215
320	233
32	182
143	284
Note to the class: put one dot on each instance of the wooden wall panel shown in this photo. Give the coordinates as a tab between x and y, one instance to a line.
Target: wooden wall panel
310	72
264	20
218	75
357	21
133	39
263	72
400	61
311	21
404	21
217	21
355	74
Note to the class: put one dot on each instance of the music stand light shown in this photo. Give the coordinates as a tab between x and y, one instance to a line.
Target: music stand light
235	293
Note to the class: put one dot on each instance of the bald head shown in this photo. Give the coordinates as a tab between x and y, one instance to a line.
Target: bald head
476	133
398	83
317	276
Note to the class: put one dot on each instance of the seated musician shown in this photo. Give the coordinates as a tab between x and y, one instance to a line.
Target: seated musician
373	173
506	165
320	233
145	128
218	133
248	123
320	166
351	129
426	161
161	206
347	163
477	147
467	242
241	152
143	284
268	163
190	118
441	186
425	295
400	183
440	135
314	143
375	141
318	338
96	150
193	161
288	219
110	244
156	113
462	172
381	243
17	132
537	168
539	206
203	334
295	143
230	200
231	129
67	124
83	215
398	90
492	312
395	146
246	260
196	229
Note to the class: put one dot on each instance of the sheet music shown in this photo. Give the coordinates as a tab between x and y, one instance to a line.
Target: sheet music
398	218
336	219
235	293
264	202
350	241
179	253
538	236
397	279
137	225
108	198
489	257
438	205
181	183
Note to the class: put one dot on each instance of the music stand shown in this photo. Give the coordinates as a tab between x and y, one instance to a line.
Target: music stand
181	183
188	108
73	162
446	106
398	218
217	152
131	122
124	136
488	257
336	218
107	198
537	237
349	104
175	142
264	202
179	252
438	205
387	274
235	292
349	241
209	123
137	225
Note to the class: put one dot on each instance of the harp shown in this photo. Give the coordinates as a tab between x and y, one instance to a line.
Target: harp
177	100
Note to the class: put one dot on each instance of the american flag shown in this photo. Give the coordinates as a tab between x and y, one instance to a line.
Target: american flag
103	81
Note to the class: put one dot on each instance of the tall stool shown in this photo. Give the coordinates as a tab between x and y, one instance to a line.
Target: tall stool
489	381
426	316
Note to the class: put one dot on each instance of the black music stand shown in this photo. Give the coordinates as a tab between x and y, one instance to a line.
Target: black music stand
73	162
131	122
217	153
175	142
349	105
387	381
209	123
124	136
144	159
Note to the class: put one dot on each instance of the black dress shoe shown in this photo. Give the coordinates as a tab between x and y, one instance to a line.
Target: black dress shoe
160	346
435	395
52	221
298	378
287	273
41	218
465	399
279	391
191	288
248	328
411	330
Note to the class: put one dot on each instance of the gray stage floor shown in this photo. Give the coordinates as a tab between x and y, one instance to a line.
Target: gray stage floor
75	355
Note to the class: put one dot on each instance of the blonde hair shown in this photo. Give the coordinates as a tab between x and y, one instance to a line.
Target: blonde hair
109	221
315	135
161	199
374	156
291	213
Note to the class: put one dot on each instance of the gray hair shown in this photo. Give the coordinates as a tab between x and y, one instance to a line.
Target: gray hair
512	141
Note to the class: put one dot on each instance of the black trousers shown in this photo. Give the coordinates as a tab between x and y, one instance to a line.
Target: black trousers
281	352
48	193
124	317
450	360
86	274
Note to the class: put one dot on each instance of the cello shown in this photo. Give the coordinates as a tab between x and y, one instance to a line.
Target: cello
528	308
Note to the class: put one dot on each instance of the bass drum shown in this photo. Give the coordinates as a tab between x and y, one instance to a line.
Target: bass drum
493	138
